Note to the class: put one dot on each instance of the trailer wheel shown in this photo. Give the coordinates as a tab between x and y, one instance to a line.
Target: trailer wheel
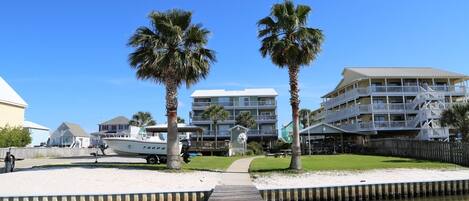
152	159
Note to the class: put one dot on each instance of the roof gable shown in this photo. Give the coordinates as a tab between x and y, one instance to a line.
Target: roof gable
75	129
116	121
9	96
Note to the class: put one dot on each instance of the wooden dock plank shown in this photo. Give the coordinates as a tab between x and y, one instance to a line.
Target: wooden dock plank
235	193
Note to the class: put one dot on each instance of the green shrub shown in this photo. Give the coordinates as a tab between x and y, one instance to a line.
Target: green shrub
279	145
249	153
14	137
255	147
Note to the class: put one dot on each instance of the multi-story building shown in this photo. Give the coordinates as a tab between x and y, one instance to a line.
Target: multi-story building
261	103
115	127
394	101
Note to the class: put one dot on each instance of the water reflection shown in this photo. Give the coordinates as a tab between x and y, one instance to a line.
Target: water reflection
440	198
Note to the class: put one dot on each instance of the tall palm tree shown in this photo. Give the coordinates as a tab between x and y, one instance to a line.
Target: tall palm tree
304	115
171	51
457	117
215	113
142	119
289	43
245	119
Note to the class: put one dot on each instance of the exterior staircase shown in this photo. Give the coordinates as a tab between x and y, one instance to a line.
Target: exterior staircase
430	105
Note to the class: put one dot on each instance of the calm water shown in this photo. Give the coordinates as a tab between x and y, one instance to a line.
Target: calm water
442	198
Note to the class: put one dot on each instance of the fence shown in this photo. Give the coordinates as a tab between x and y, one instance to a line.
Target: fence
450	152
47	152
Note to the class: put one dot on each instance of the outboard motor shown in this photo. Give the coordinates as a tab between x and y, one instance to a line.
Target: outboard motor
186	144
9	162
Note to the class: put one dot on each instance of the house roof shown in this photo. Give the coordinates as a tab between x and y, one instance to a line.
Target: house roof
9	96
227	93
116	121
323	129
32	125
353	74
76	130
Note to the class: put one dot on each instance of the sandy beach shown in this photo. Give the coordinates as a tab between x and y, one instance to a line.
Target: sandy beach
338	178
66	181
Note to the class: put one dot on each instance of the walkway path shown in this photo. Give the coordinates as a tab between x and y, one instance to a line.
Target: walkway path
236	184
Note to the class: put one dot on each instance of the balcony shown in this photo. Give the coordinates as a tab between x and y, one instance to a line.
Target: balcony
392	90
243	104
380	125
232	119
356	110
251	132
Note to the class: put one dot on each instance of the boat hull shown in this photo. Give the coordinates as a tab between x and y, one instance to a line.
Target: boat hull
136	147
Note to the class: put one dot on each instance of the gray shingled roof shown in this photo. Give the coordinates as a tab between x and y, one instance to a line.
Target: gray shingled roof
116	121
76	130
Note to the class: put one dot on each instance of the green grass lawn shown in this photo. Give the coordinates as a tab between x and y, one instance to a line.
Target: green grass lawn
206	163
344	162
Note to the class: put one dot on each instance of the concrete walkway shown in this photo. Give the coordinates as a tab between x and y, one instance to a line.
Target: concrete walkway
236	183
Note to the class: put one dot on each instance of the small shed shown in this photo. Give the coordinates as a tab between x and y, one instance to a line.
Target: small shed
238	139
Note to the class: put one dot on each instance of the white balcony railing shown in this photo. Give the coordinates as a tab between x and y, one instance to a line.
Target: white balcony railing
236	104
233	118
368	108
365	91
378	125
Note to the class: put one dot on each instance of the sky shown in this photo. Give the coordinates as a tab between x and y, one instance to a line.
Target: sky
68	59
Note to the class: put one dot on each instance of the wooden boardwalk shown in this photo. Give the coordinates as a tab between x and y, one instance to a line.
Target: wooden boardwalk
235	193
236	184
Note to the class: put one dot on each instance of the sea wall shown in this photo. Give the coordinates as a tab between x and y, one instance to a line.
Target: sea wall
169	196
47	152
369	191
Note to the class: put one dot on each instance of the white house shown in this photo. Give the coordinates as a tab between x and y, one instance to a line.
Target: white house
39	134
69	135
12	106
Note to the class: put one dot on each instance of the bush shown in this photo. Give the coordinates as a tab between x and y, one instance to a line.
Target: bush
279	145
255	147
14	137
249	153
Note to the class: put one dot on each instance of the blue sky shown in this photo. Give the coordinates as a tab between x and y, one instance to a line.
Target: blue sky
68	59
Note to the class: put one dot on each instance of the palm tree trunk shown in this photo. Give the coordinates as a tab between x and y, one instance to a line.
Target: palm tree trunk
216	134
295	163
172	149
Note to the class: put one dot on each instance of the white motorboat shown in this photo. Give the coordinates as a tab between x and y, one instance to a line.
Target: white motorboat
152	148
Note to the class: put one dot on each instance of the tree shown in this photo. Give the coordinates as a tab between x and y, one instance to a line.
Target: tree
142	119
245	119
305	117
457	117
14	137
289	43
215	113
181	120
171	51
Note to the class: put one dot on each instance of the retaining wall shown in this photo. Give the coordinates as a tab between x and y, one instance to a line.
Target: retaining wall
169	196
47	152
369	191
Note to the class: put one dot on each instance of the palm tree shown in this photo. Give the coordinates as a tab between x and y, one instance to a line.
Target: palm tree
171	51
181	120
142	119
245	119
304	117
215	113
289	43
457	117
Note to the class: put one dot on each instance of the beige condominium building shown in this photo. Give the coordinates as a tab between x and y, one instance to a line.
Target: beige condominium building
392	101
261	103
12	106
